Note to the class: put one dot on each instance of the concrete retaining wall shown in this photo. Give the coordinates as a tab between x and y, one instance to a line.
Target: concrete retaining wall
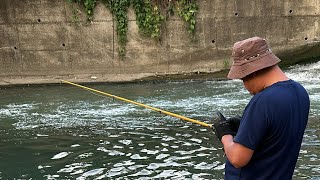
39	43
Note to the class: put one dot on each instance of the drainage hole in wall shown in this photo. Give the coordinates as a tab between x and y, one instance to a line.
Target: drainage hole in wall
15	47
39	20
290	11
236	14
306	38
213	41
63	44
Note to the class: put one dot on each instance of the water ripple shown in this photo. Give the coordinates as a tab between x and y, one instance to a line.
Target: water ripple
99	138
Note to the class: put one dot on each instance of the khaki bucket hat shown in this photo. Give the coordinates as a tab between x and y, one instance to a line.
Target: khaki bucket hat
251	55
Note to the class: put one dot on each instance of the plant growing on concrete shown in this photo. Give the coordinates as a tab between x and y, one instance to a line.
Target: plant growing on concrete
119	9
187	9
75	18
226	64
150	15
88	5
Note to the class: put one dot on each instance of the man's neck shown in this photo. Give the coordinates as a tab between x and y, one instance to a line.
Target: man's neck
273	75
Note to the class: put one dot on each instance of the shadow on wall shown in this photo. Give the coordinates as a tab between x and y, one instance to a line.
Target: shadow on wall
300	55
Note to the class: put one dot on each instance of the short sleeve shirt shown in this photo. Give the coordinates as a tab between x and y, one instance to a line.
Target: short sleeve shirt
272	125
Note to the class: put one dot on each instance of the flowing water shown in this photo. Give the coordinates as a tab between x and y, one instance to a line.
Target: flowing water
64	132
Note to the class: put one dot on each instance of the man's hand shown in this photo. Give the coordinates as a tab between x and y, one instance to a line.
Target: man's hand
223	127
235	123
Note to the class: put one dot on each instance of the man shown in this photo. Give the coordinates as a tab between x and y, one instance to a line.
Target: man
267	142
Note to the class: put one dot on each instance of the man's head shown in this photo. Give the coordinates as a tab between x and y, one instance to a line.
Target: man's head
249	56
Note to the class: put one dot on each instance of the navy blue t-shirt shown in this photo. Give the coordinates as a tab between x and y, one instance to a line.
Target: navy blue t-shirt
272	125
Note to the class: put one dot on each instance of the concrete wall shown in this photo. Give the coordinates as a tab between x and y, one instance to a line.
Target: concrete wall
39	43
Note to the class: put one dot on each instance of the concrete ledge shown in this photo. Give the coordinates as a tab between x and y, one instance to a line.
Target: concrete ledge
6	81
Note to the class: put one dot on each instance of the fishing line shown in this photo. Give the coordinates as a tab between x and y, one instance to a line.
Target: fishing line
140	104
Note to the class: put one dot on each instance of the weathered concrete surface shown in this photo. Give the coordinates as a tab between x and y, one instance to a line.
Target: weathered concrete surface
39	43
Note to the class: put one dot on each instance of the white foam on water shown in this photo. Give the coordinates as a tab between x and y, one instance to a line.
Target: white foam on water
187	144
149	151
137	156
75	145
117	147
164	150
110	152
168	138
42	135
49	176
16	110
117	169
124	163
61	155
203	154
204	165
165	174
42	167
134	167
181	175
305	73
196	140
165	144
162	156
125	141
153	166
143	172
219	167
92	172
85	155
75	168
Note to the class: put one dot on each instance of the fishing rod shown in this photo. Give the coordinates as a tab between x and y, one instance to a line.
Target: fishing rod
140	104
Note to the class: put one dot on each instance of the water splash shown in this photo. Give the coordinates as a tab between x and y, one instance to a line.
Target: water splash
61	155
305	73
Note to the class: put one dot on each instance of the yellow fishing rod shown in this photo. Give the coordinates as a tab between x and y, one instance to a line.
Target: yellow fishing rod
140	104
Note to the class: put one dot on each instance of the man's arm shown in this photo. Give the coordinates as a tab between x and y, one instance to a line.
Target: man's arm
237	154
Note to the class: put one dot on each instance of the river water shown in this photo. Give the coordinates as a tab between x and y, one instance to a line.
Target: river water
64	132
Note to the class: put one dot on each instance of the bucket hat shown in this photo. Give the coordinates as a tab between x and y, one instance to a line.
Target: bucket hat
251	55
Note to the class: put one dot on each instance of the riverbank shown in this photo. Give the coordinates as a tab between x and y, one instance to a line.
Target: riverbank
7	81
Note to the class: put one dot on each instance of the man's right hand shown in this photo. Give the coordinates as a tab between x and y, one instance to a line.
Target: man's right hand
226	126
234	123
223	127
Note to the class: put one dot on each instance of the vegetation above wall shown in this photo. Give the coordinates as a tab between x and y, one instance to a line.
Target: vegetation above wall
150	15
